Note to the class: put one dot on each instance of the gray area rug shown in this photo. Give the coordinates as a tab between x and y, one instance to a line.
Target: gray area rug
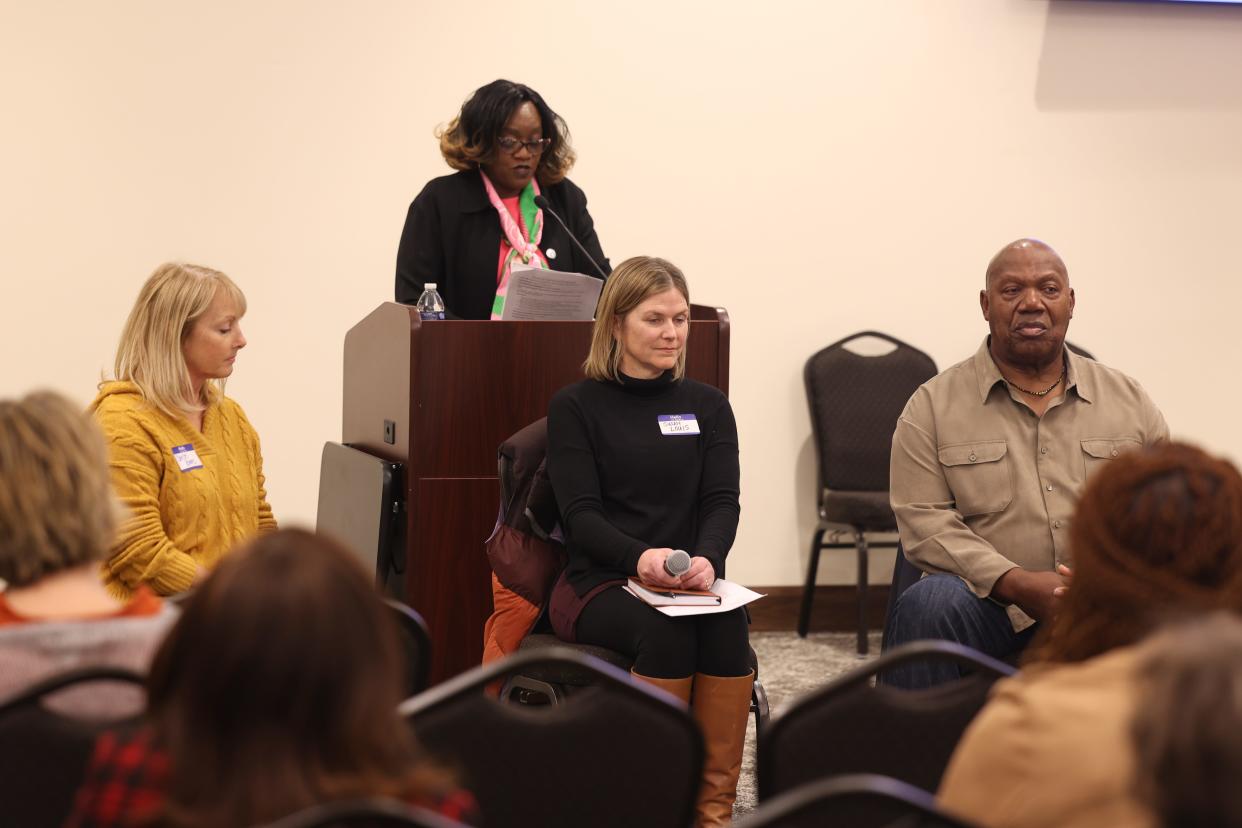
790	667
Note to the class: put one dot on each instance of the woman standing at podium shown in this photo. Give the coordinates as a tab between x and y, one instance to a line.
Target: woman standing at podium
643	462
185	460
466	231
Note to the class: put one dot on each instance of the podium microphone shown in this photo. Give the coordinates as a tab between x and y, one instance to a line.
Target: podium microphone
677	563
542	204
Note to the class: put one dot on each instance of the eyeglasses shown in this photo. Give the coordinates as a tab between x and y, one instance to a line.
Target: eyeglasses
511	145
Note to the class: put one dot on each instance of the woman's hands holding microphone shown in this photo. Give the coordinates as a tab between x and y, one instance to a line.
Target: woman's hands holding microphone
651	570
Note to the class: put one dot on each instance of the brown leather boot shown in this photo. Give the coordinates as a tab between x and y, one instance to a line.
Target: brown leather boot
679	687
721	706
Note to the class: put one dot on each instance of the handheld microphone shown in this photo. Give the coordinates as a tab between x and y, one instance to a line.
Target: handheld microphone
677	563
542	203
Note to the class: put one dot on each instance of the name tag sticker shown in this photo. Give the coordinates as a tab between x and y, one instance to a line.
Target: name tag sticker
187	457
674	424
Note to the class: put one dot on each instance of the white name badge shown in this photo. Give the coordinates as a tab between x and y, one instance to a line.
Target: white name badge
187	457
674	424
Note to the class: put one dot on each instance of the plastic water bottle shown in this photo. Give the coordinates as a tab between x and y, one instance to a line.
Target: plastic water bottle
430	305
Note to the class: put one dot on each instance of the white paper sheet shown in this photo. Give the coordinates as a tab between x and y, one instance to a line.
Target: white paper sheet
550	295
731	595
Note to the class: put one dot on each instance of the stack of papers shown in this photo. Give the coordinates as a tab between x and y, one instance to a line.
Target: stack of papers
730	596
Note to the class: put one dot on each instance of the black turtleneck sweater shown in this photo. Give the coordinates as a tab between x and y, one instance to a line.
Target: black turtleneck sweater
624	486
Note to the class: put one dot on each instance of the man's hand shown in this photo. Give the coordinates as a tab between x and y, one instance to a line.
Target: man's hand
1038	594
1068	575
651	569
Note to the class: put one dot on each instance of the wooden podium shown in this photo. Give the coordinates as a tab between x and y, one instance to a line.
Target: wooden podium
439	397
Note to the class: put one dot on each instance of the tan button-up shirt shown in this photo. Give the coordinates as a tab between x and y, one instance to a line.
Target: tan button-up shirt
979	484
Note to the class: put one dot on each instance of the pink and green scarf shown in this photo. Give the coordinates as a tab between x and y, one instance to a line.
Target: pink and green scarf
523	239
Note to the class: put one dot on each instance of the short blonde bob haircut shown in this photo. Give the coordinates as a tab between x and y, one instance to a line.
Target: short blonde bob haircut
631	283
150	353
57	509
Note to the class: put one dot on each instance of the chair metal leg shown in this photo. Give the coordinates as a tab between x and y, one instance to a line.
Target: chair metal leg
808	592
860	544
759	707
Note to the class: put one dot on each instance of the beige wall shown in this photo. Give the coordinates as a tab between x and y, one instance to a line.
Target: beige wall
816	167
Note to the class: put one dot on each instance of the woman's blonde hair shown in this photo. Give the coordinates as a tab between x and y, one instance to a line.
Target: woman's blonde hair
57	509
632	282
150	352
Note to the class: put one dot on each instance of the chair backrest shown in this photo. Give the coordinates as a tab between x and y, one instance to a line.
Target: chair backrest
361	505
851	726
43	753
905	575
364	813
855	401
526	499
856	800
416	645
619	753
524	549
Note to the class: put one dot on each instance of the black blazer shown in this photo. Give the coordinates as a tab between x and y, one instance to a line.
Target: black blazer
452	237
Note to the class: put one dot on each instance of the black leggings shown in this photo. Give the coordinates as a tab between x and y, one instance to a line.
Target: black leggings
662	647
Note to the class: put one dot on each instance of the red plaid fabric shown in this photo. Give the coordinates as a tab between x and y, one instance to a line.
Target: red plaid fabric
459	805
124	782
126	778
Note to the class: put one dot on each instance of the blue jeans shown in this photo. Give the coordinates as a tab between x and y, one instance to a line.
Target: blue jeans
943	607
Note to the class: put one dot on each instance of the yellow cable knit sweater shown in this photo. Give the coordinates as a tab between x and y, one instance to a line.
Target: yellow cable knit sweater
178	520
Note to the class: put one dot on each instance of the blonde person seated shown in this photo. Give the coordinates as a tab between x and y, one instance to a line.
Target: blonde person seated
632	490
58	517
185	460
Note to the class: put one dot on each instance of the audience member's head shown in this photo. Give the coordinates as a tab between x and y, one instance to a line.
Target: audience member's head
1157	534
1187	724
180	336
633	282
57	510
278	688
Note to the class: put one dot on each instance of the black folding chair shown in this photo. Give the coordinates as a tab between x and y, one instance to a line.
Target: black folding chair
619	753
44	753
552	683
855	800
855	401
905	575
364	813
415	644
852	726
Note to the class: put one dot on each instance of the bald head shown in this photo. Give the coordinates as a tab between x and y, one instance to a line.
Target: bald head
1022	250
1028	303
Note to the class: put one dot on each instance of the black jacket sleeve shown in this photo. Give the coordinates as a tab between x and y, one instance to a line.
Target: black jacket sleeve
420	257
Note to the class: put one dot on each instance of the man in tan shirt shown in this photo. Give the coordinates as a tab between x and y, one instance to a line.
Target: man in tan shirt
988	460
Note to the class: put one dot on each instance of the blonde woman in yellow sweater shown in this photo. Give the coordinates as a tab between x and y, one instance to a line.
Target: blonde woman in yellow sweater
185	460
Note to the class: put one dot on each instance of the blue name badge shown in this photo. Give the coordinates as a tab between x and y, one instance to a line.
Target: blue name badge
672	425
187	457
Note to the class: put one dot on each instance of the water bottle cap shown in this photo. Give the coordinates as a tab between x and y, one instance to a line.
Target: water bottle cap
429	286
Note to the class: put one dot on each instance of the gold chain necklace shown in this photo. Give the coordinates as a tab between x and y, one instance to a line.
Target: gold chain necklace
1043	393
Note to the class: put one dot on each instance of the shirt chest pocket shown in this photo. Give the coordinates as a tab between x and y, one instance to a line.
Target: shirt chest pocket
979	476
1097	451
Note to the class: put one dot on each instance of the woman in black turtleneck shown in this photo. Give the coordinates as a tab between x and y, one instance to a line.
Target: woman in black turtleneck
643	462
